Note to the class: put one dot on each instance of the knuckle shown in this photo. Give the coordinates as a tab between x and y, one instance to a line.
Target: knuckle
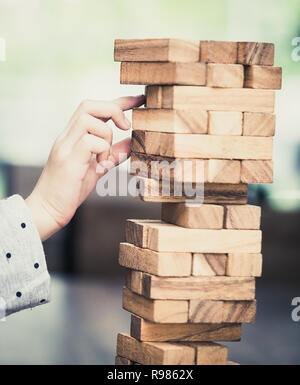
84	104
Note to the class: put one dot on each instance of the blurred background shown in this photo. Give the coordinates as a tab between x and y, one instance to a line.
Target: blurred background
59	52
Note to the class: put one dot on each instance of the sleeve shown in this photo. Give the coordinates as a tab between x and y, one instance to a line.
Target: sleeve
24	278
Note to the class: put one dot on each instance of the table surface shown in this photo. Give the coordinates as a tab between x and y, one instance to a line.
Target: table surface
81	323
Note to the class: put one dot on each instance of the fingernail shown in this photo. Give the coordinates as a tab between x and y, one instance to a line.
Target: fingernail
127	123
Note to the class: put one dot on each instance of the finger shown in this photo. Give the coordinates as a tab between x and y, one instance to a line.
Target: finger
88	124
118	154
88	145
129	102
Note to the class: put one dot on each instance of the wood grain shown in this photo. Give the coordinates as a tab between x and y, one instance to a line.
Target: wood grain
257	171
163	73
156	50
263	77
245	217
202	146
188	121
143	330
155	353
244	265
160	236
224	75
122	361
149	261
218	51
258	124
255	53
222	311
209	353
150	190
205	288
225	122
193	216
155	310
209	264
223	171
211	98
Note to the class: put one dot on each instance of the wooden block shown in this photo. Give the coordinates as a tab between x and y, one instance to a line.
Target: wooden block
258	124
239	311
222	311
225	123
256	53
122	361
154	97
266	77
245	217
133	280
202	146
218	51
205	288
257	171
187	121
206	311
193	216
163	73
156	50
224	171
155	353
209	353
136	231
155	310
149	261
176	170
224	75
209	98
167	237
244	265
209	264
213	193
143	330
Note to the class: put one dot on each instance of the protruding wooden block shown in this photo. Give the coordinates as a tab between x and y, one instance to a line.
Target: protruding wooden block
133	280
257	171
224	171
156	50
256	53
211	98
163	73
155	353
193	216
218	51
136	231
155	310
209	353
244	265
225	123
144	330
162	236
188	121
206	288
209	264
149	261
245	217
266	77
222	311
151	190
224	75
258	124
174	170
202	146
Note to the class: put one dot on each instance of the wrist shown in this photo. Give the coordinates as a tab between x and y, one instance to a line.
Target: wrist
44	221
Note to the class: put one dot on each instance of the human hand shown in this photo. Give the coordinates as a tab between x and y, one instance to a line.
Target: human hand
72	169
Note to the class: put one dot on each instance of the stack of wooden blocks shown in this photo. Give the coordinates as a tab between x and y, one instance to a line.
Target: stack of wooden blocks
191	275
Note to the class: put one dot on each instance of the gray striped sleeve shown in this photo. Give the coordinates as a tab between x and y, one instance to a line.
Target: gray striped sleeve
24	278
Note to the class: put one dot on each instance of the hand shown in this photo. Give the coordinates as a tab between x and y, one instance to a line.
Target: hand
72	171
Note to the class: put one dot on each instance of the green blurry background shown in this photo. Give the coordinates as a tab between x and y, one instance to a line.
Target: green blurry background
60	52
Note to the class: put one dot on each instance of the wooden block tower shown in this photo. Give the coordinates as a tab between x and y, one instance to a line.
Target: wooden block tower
190	280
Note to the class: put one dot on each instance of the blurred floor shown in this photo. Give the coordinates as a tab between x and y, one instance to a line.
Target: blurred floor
81	324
